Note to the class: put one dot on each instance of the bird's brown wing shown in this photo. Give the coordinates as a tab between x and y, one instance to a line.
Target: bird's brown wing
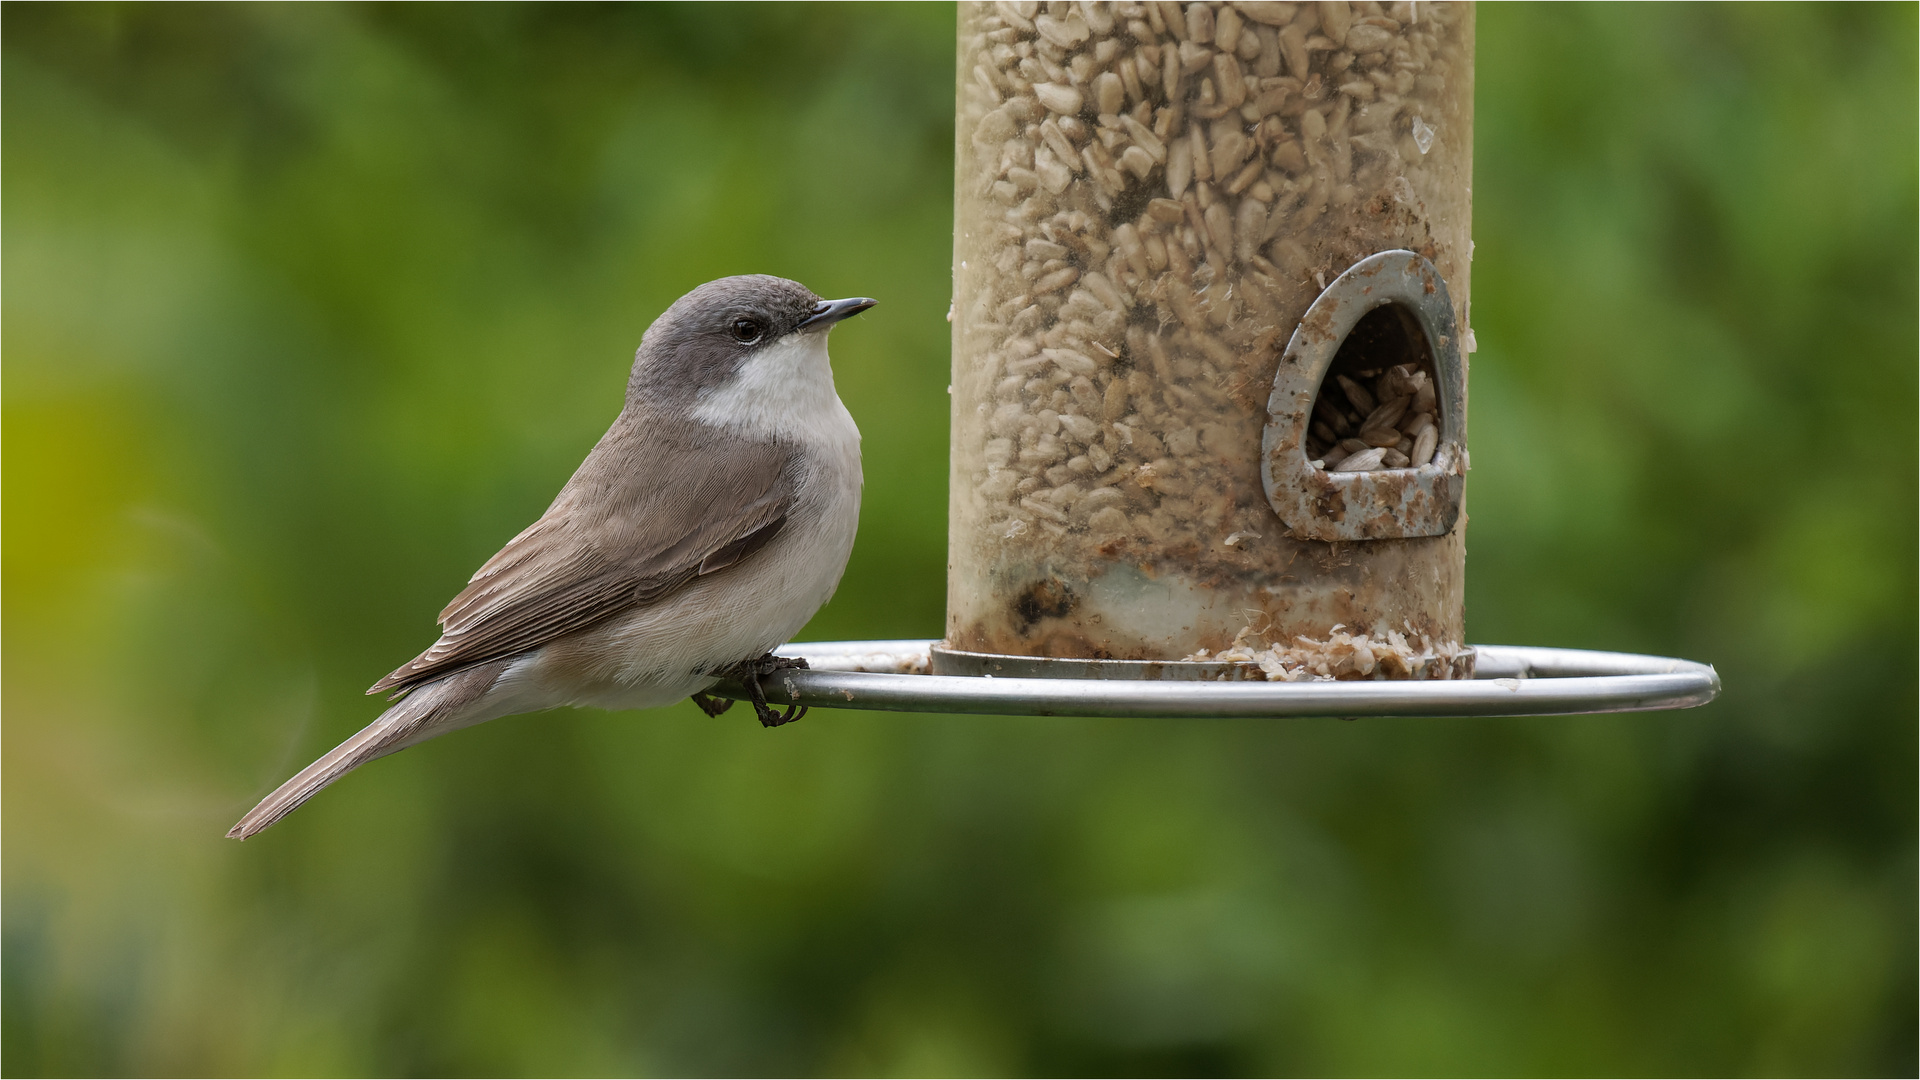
655	505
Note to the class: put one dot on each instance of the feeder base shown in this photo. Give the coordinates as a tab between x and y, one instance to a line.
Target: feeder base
945	661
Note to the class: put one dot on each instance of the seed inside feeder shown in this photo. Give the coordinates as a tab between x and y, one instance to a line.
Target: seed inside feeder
1383	388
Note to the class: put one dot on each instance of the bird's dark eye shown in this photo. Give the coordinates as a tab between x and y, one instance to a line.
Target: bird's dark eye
746	331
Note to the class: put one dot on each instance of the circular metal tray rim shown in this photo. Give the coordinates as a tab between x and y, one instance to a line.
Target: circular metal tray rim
1510	680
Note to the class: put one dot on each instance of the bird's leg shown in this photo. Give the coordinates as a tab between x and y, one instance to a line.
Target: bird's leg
750	672
712	706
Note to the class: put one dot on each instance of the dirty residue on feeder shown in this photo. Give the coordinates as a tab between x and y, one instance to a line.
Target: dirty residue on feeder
1343	656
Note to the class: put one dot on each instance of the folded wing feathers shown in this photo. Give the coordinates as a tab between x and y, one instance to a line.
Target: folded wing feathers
571	569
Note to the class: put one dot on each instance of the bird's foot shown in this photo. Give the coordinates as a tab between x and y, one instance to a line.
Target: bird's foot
712	706
750	672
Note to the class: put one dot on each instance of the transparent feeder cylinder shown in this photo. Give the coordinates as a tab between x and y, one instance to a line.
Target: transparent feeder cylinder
1148	199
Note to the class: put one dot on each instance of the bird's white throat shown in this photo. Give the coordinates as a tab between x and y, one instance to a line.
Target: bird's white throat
784	391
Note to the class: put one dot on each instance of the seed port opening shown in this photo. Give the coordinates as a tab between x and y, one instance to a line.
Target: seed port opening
1383	329
1378	406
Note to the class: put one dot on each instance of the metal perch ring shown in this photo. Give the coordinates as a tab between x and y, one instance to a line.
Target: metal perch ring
1511	680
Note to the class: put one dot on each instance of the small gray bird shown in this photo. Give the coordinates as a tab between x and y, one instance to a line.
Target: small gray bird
706	527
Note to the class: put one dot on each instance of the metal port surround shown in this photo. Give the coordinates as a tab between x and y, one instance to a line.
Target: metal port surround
1387	504
1510	680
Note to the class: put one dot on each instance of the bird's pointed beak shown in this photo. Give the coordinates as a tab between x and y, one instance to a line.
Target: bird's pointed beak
828	312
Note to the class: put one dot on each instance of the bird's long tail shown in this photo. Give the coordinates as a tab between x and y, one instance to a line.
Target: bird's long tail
427	711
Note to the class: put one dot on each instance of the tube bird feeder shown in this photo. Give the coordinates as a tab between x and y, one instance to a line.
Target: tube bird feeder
1210	270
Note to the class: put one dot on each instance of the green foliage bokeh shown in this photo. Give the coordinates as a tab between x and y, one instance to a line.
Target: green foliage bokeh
308	308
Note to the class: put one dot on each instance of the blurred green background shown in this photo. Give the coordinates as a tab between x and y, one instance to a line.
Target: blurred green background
308	308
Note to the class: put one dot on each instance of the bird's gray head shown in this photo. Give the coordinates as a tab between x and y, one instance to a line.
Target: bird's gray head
713	336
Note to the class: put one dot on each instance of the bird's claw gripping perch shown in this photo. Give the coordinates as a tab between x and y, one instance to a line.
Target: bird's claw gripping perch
749	673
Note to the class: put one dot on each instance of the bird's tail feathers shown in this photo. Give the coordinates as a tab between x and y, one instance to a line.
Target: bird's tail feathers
423	713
